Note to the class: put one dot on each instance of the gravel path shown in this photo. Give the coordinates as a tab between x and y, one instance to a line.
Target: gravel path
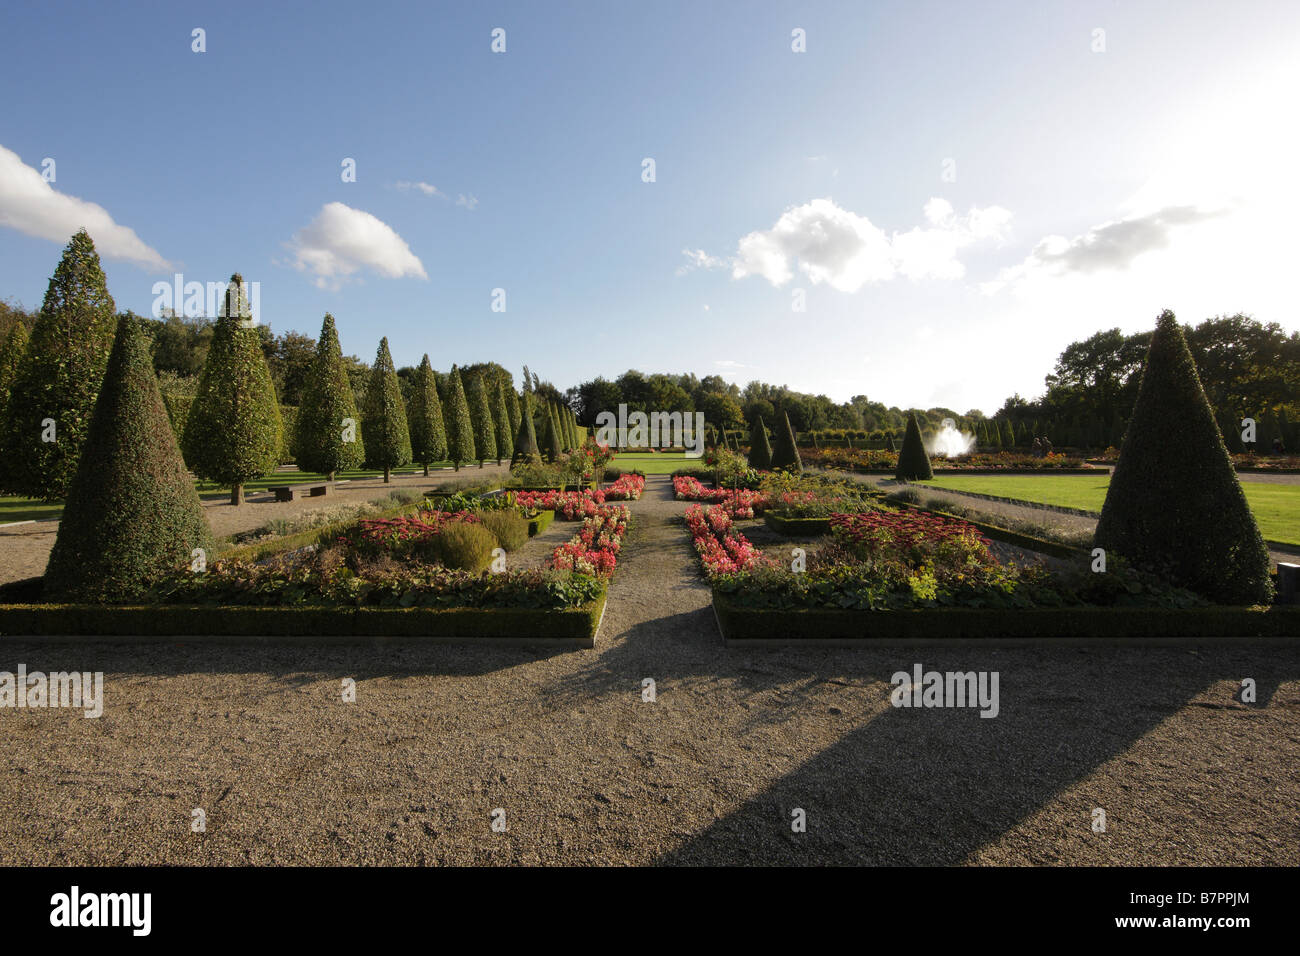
25	548
587	772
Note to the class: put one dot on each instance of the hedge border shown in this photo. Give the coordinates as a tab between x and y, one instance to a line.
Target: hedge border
136	624
797	527
539	524
739	625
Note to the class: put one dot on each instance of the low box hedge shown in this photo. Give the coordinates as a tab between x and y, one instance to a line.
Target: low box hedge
575	626
539	524
740	624
797	527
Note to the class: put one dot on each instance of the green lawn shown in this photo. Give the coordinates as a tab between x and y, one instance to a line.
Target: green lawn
1276	506
664	463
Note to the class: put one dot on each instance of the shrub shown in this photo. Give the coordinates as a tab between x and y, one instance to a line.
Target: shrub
551	440
383	423
424	416
785	456
320	441
11	355
485	432
460	427
913	462
505	431
59	376
461	546
233	431
132	515
1175	503
510	528
760	452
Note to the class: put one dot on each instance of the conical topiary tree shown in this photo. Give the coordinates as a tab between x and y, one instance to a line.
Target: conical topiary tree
485	430
512	409
132	514
913	462
1175	503
460	426
54	388
233	431
501	416
551	441
327	430
760	451
383	421
526	449
424	416
785	455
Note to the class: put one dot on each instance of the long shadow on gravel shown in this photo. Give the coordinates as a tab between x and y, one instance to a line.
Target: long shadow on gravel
932	786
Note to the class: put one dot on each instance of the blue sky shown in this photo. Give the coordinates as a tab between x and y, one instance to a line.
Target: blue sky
959	190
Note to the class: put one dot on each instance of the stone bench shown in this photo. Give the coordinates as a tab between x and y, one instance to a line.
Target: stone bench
285	492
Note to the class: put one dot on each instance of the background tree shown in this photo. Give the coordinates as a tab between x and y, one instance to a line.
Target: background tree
760	452
12	348
233	431
512	409
526	449
501	417
460	427
785	456
1175	503
485	431
132	514
323	442
551	443
913	462
428	434
59	376
383	422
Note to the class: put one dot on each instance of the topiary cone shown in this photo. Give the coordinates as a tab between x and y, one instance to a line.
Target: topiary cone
913	462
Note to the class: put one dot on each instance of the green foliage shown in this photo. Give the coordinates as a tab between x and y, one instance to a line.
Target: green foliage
913	462
1175	503
428	434
322	441
383	422
508	526
461	546
551	446
501	417
11	353
760	451
512	409
132	515
485	432
460	427
785	456
59	376
288	437
233	432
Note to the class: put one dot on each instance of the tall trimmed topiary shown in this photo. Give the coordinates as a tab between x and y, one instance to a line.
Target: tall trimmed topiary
53	392
424	416
785	456
233	430
132	515
551	441
460	427
485	429
512	409
505	434
913	462
760	451
327	430
1175	503
383	421
526	448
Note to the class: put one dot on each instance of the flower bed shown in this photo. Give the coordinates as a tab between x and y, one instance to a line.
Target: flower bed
579	505
722	549
739	503
594	549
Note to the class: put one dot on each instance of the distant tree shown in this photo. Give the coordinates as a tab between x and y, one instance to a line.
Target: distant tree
485	430
1175	503
760	452
460	426
383	422
11	353
53	391
428	433
551	443
512	409
526	448
327	426
501	417
233	431
913	462
132	515
785	456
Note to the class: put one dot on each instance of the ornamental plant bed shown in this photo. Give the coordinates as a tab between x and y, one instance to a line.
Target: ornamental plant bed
1005	535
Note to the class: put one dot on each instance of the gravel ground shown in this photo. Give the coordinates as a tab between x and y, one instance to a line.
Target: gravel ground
587	772
25	549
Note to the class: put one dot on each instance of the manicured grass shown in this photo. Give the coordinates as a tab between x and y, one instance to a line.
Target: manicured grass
1276	506
27	509
664	463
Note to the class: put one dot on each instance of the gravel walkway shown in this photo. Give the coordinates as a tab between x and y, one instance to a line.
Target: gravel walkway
587	772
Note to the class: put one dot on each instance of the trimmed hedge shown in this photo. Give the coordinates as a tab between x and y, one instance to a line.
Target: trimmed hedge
577	625
539	524
745	624
797	527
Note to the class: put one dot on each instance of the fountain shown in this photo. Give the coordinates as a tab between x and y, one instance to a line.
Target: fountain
950	442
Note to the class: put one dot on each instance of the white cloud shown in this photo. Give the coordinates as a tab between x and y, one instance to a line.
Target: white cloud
846	251
32	206
427	188
433	192
341	241
699	259
1111	246
468	202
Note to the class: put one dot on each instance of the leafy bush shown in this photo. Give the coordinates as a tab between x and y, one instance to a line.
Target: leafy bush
460	546
510	528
